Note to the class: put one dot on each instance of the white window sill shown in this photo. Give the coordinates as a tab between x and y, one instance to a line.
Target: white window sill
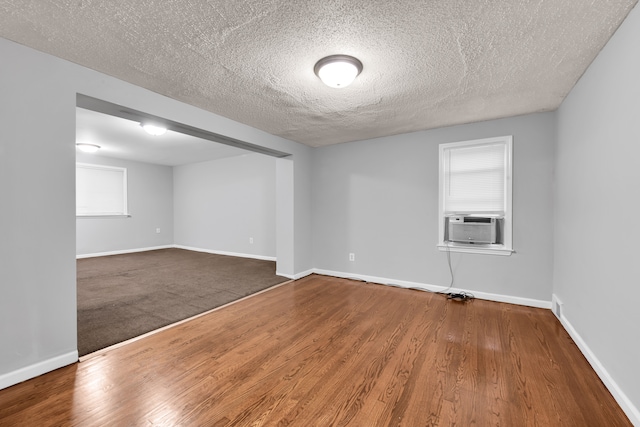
476	249
103	216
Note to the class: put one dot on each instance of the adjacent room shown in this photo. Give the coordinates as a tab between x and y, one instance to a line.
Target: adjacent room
168	226
444	186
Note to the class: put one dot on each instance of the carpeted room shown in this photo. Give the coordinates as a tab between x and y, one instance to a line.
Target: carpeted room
124	296
179	191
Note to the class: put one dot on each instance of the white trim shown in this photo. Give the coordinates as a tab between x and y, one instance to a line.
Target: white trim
632	412
435	288
39	368
124	251
89	216
297	275
188	248
487	250
211	251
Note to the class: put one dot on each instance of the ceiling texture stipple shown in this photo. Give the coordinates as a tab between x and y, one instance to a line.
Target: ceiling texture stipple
427	64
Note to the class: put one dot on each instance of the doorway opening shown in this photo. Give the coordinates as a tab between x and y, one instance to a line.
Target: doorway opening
193	196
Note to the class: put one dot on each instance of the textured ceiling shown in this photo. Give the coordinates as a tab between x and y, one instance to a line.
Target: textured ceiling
426	64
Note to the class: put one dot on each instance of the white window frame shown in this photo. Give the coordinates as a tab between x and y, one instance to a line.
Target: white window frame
506	247
125	213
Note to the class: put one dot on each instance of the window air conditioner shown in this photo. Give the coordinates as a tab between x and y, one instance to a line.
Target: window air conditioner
472	229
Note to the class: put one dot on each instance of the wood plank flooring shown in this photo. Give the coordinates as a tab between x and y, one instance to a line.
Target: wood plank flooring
330	352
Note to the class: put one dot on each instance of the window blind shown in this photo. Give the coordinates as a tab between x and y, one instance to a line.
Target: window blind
475	179
100	190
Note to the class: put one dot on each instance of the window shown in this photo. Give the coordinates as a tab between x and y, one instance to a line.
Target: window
475	182
100	190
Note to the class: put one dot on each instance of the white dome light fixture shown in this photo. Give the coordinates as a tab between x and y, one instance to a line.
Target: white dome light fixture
338	71
154	130
87	148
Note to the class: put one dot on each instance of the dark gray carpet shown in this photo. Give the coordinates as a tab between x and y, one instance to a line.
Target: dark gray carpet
124	296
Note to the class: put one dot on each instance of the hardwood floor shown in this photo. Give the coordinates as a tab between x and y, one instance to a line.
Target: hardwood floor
330	352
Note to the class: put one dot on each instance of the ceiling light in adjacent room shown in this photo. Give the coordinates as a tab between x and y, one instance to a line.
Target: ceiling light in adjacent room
338	71
87	148
153	129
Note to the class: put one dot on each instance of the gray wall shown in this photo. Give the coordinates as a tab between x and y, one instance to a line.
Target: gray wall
222	203
597	201
37	219
150	203
218	205
379	200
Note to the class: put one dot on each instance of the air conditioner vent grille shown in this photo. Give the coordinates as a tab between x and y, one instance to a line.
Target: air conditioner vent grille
477	219
472	230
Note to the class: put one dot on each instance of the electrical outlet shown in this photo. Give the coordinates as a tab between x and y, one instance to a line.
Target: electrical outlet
157	231
352	256
251	240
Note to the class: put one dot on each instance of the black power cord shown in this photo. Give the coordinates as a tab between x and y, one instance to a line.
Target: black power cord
459	296
455	296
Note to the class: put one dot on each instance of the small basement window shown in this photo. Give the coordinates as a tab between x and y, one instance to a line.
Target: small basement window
475	196
100	191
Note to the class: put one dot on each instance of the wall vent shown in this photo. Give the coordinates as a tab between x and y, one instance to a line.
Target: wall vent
556	306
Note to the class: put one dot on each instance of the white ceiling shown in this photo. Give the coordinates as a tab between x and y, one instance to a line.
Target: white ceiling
125	139
426	63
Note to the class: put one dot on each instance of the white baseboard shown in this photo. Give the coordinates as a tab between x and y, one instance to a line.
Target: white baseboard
405	284
211	251
188	248
297	275
632	412
32	371
124	251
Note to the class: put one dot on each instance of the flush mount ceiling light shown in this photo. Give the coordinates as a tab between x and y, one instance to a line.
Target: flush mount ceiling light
338	71
154	130
87	148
